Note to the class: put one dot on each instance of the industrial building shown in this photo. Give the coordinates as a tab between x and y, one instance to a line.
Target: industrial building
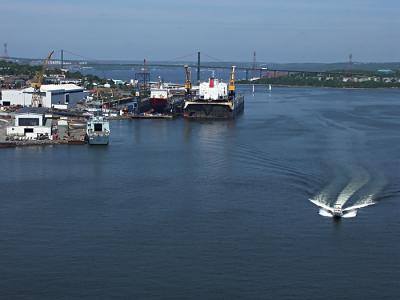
53	95
31	123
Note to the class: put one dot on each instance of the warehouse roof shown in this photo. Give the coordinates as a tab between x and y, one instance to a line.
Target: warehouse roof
56	87
67	87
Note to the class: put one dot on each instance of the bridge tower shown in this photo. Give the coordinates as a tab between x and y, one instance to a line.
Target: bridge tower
5	53
62	59
198	68
350	65
254	72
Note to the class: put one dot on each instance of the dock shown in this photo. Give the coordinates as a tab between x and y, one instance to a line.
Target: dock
151	116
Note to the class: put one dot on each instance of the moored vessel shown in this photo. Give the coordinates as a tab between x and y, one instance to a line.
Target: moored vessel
159	98
98	131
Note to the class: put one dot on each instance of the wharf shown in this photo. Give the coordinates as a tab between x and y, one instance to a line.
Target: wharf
27	143
124	117
150	116
13	144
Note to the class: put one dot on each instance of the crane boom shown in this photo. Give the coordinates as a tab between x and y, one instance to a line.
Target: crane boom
188	81
232	87
38	81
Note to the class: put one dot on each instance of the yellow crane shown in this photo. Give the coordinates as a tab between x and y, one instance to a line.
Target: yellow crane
104	94
188	82
37	100
232	86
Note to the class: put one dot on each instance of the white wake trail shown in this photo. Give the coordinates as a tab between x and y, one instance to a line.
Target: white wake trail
356	183
371	185
378	184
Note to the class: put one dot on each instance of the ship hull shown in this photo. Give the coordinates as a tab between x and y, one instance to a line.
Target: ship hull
214	110
158	105
98	139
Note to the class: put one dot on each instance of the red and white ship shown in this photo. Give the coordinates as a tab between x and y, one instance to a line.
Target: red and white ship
160	97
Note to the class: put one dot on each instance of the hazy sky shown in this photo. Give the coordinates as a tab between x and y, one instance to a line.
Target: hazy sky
279	30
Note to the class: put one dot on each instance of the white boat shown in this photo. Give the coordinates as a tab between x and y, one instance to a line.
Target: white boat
98	131
337	211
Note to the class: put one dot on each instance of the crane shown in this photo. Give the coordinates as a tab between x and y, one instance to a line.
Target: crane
232	87
38	81
188	82
103	93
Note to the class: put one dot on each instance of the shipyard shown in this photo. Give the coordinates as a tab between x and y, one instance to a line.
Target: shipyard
51	108
42	101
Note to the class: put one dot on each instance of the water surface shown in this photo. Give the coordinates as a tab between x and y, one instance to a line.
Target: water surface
209	210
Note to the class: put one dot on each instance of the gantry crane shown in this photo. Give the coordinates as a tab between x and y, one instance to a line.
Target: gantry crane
105	95
37	100
188	82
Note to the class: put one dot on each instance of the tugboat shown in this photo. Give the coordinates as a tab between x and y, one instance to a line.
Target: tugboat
216	100
98	130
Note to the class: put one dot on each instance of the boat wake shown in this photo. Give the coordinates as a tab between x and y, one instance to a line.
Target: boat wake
360	186
348	212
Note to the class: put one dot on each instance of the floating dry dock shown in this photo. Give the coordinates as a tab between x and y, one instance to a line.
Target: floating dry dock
216	100
203	109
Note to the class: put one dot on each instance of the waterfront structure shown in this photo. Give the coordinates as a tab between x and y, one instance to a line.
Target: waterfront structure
53	95
31	123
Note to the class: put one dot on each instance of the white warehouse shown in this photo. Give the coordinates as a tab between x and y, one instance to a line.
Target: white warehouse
53	95
31	122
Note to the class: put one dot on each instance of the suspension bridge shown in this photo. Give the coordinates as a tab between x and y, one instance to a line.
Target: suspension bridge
252	69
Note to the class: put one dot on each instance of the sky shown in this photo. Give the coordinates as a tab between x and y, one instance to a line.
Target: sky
278	30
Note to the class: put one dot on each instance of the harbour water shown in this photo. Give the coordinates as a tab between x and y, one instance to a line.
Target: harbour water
177	209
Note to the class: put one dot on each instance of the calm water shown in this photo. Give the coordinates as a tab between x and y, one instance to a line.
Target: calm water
212	210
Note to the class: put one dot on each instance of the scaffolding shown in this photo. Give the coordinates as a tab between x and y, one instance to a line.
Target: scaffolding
142	79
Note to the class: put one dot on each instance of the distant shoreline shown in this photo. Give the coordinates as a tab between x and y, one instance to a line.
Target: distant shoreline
320	87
